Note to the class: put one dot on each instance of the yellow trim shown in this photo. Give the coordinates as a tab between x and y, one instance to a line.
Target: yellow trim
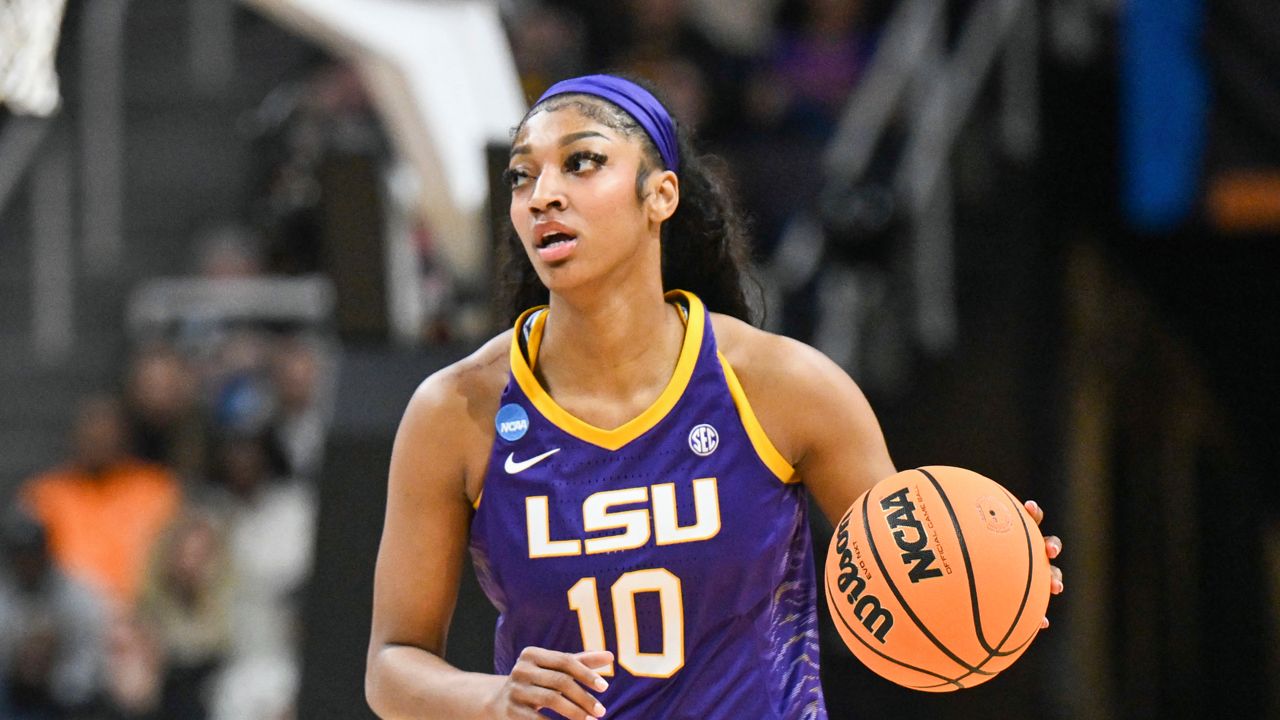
476	504
635	427
769	454
535	338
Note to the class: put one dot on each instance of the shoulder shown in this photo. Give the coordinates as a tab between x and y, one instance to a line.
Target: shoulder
49	486
448	424
152	489
770	363
467	390
797	393
152	476
812	411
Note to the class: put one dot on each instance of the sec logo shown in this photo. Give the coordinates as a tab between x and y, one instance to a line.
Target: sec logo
703	439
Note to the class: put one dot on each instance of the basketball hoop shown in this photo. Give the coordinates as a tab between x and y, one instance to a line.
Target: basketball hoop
29	32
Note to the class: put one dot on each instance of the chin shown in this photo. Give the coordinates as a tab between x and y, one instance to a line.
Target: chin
567	277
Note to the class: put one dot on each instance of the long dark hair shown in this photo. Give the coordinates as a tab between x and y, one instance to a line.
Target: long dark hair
705	249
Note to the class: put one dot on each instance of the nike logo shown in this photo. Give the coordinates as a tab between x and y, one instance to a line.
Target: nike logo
514	466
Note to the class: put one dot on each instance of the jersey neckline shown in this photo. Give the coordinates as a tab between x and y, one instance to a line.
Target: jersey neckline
635	427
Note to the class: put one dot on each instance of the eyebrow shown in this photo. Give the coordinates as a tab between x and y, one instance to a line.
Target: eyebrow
566	140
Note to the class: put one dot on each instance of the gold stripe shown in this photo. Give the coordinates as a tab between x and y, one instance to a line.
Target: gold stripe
535	338
769	454
635	427
476	505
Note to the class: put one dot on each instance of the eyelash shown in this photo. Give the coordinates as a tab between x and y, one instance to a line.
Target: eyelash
587	155
511	176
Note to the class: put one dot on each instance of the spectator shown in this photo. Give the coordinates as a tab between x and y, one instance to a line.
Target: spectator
815	65
684	89
103	508
547	45
135	671
237	381
301	421
161	398
187	601
51	630
698	79
228	252
744	26
271	527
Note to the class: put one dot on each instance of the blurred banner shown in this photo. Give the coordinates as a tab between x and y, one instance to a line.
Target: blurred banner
1164	104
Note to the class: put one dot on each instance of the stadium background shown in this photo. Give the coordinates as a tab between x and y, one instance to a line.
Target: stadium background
1041	235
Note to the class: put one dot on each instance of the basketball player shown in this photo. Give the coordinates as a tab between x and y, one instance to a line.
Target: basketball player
629	465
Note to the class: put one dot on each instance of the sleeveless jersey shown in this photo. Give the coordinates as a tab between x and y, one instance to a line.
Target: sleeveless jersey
676	541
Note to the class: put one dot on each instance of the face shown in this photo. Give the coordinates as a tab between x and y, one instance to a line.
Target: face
194	553
296	372
160	387
245	463
833	15
99	435
574	204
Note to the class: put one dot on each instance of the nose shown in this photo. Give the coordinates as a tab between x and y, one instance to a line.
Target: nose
548	193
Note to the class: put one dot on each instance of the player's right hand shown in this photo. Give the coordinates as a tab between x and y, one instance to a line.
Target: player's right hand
554	680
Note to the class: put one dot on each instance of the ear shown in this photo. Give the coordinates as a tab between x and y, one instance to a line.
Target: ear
663	197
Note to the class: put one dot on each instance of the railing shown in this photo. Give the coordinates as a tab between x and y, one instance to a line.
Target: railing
916	75
156	306
102	133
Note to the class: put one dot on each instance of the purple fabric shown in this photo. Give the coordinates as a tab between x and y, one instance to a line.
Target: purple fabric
748	604
635	101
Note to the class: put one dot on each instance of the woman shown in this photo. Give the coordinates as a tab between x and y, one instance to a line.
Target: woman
638	523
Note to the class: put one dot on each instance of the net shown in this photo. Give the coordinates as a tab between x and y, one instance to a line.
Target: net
29	32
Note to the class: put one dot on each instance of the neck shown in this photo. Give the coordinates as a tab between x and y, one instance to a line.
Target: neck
616	345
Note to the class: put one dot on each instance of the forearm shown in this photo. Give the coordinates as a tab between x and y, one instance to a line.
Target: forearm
404	682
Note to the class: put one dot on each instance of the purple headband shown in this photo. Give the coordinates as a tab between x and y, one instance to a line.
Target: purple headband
635	101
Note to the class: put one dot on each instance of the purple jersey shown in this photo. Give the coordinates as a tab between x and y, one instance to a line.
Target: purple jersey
676	541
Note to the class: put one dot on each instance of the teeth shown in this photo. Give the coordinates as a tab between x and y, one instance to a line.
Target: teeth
555	239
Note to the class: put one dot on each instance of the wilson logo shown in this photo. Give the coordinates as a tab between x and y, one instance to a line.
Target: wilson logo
910	537
866	607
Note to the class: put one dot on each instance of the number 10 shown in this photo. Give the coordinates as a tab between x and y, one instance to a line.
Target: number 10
584	600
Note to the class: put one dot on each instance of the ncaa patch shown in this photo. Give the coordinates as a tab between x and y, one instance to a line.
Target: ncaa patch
512	422
703	439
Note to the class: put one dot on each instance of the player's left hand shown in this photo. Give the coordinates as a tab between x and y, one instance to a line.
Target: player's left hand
1052	548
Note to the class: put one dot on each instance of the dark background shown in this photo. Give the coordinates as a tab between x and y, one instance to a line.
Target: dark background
1114	361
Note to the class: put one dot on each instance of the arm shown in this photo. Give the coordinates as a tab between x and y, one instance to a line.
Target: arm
822	423
418	570
815	415
76	677
416	583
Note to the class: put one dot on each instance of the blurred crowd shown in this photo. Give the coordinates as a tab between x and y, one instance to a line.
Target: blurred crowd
731	72
158	571
761	83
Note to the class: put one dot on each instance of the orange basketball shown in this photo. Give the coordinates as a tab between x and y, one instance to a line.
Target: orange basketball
937	578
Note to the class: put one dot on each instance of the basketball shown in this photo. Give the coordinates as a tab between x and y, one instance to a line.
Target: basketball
937	578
